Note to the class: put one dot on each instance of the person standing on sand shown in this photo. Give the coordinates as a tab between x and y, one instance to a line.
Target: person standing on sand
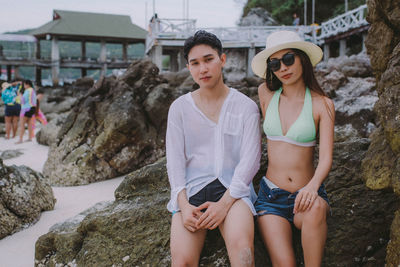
28	109
213	152
9	96
38	114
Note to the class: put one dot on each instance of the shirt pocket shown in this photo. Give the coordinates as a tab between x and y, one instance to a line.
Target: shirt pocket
233	124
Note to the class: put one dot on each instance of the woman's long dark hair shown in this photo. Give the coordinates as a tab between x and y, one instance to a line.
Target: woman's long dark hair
273	83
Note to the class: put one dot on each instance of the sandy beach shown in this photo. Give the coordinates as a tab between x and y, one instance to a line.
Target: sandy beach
18	250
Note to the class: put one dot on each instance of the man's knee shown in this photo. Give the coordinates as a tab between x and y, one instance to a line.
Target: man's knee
180	260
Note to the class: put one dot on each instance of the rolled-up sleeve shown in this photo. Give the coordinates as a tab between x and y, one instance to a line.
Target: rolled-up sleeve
175	150
250	154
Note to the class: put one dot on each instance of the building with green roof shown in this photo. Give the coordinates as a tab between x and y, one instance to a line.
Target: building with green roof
87	27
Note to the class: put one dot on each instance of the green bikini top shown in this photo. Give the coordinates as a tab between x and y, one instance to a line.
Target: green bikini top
301	133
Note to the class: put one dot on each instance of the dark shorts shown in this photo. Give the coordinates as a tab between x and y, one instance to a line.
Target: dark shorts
30	112
12	110
211	192
278	201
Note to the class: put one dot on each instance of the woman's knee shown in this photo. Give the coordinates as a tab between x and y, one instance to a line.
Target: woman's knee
317	214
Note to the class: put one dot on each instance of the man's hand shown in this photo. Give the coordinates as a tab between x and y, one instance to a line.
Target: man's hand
190	217
215	213
213	216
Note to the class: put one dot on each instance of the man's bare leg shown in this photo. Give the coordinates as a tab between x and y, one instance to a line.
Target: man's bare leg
186	246
238	232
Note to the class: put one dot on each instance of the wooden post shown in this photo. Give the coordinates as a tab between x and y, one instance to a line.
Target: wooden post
9	72
326	52
125	51
38	70
16	72
83	72
103	58
83	50
182	60
364	36
156	56
55	61
251	52
173	61
342	47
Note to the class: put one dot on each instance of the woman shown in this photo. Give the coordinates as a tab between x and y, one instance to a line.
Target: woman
38	114
12	110
296	111
28	109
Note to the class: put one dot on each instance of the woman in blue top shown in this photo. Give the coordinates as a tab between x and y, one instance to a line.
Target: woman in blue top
9	97
296	111
28	109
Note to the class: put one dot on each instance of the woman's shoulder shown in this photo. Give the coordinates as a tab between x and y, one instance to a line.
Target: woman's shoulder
322	103
264	91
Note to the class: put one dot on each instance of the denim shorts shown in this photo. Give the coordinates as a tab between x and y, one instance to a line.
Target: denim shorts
279	202
211	192
12	110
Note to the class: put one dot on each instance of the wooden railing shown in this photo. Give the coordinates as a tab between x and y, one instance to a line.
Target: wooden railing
179	29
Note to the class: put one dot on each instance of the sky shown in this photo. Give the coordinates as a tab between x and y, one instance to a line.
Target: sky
26	14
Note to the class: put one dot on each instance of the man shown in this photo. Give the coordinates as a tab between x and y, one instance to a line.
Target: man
213	153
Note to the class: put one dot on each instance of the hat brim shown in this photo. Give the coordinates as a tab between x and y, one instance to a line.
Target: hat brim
259	62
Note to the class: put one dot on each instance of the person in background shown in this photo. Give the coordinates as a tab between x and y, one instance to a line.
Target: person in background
9	96
296	19
297	113
28	109
38	114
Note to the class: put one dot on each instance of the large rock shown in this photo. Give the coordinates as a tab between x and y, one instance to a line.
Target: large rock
117	127
134	230
257	17
381	166
24	194
353	92
48	133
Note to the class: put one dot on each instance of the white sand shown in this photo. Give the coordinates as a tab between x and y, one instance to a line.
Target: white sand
18	250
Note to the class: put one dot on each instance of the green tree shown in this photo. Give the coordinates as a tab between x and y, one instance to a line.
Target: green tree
282	11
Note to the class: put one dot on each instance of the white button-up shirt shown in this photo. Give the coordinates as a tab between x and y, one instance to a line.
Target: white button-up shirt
200	150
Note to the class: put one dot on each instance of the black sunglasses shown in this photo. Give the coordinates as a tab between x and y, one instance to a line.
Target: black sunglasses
275	64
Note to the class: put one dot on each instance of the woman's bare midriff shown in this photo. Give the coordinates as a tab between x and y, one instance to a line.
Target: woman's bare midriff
290	167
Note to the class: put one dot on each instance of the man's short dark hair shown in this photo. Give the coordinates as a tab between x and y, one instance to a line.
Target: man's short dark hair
202	37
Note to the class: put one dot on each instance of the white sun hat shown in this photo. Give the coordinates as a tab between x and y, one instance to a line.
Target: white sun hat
279	40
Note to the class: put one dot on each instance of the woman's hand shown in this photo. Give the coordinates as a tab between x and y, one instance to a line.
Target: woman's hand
305	198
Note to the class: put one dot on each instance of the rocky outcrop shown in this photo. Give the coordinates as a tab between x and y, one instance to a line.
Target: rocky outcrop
257	17
48	133
348	81
381	165
134	230
117	127
24	194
